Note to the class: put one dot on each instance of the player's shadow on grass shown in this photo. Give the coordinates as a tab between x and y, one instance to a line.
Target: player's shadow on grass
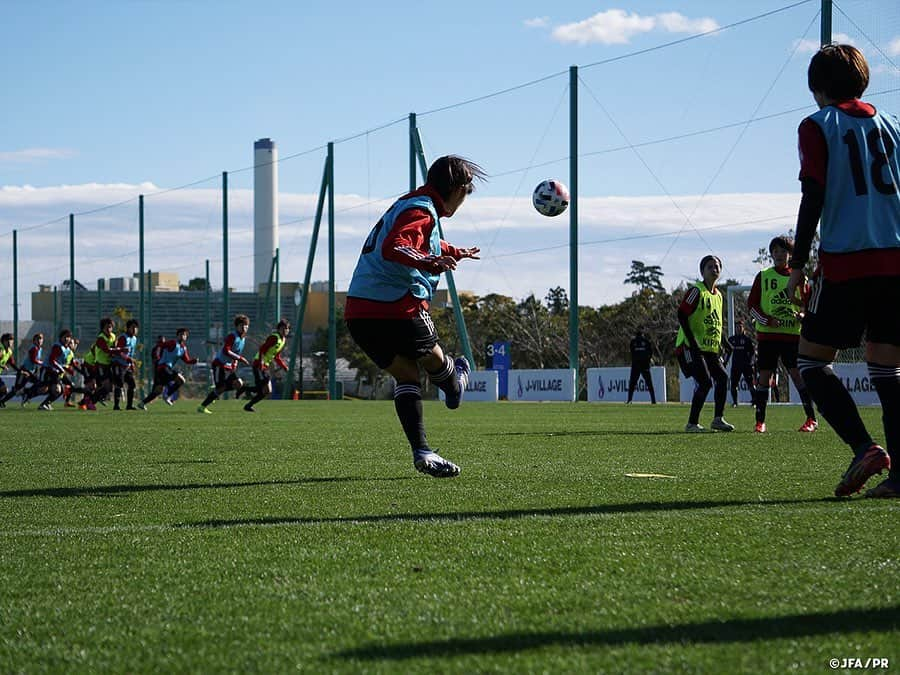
116	490
592	432
791	626
599	509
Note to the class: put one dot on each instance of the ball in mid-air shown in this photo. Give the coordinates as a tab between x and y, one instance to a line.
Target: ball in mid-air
550	197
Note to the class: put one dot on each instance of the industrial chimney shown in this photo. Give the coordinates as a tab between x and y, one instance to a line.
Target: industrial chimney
265	209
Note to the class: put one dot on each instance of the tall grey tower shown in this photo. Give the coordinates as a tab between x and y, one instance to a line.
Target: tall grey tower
265	209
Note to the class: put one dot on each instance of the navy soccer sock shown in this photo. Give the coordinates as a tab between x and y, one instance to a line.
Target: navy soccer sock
408	404
699	398
806	399
886	380
834	402
210	397
761	400
445	378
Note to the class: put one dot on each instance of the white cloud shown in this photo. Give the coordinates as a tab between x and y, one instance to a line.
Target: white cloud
522	252
674	22
537	22
893	48
616	26
35	155
808	46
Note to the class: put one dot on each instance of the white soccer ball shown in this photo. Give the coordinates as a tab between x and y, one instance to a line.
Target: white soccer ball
550	197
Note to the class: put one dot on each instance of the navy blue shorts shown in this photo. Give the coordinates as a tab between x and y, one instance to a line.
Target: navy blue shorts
385	339
840	313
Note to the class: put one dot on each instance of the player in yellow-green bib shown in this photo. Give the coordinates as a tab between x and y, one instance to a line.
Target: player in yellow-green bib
7	360
699	342
777	316
269	353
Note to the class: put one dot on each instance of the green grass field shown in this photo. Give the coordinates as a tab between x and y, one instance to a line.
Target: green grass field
301	538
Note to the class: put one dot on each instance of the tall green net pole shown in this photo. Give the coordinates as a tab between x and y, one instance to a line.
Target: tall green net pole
15	291
413	155
71	272
141	282
101	285
573	223
277	285
416	146
224	252
150	307
332	327
297	340
825	27
55	310
206	315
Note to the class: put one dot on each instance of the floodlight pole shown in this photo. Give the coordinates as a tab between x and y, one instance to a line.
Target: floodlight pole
573	223
415	142
825	27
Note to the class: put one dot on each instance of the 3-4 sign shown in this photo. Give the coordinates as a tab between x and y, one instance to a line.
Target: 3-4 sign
497	349
498	358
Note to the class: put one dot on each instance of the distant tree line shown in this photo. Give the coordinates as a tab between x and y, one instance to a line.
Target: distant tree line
538	329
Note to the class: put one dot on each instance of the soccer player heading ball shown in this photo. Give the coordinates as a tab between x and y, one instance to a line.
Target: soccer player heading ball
850	175
390	292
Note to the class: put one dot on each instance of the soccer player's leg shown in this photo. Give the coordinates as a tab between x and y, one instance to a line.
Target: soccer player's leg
883	356
395	346
220	384
116	372
720	379
130	386
54	389
835	319
694	365
789	352
261	388
648	380
767	353
632	381
450	376
734	378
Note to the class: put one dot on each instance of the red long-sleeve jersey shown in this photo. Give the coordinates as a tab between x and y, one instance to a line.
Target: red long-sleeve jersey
406	244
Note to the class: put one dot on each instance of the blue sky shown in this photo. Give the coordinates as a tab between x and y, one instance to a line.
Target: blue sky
108	100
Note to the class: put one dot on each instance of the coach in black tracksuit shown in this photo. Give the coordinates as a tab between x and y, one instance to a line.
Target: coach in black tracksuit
740	350
641	358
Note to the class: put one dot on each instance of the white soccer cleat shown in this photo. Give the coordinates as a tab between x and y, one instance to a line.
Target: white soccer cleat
719	424
428	461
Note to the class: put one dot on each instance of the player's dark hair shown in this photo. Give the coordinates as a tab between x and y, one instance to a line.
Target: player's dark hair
838	71
64	334
36	336
705	259
179	331
5	337
160	338
284	323
450	172
785	242
241	319
132	322
106	321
